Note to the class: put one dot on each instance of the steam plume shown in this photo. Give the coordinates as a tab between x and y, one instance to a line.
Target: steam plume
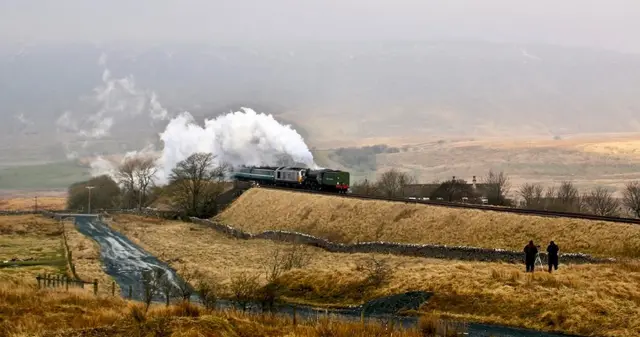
238	138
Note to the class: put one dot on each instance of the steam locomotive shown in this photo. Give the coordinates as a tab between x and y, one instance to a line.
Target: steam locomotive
296	177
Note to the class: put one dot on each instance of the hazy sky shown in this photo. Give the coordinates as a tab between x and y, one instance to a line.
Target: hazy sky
612	24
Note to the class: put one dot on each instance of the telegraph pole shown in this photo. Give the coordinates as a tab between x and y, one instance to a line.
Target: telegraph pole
89	208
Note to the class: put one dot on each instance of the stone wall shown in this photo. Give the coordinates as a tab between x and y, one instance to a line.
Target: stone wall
405	249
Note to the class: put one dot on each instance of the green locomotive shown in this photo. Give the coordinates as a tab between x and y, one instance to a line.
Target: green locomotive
296	177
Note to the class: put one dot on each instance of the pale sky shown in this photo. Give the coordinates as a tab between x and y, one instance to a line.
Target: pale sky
611	24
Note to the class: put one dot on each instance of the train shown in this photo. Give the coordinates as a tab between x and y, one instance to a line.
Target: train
328	180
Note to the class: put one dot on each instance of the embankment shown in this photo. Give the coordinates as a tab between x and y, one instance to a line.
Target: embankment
403	249
350	221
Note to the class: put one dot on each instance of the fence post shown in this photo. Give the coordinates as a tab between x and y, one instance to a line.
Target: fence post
294	316
38	279
58	283
113	288
66	279
46	280
95	286
130	292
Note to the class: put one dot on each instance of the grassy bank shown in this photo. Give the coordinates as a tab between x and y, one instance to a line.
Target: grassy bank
352	220
28	203
36	243
586	299
29	312
86	259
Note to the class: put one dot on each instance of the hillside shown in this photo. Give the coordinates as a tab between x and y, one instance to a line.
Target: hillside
332	92
570	300
352	220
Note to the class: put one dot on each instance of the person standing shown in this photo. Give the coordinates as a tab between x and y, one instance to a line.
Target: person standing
530	252
552	257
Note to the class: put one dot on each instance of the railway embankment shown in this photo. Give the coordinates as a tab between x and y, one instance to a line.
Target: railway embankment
352	224
403	249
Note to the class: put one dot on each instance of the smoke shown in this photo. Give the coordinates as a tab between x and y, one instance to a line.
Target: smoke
115	101
237	138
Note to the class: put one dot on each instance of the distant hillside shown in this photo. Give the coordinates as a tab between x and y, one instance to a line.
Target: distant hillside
334	92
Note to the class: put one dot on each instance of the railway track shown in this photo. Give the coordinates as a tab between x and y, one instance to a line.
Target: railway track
468	206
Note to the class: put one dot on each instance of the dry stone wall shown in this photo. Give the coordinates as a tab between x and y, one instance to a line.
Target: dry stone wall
405	249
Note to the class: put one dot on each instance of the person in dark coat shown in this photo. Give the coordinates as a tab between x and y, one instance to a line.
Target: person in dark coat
530	252
552	251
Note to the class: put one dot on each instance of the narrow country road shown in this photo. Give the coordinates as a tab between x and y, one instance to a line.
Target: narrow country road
123	260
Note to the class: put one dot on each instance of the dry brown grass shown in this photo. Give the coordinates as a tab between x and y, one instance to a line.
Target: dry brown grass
30	237
40	239
352	220
27	312
589	299
28	203
86	258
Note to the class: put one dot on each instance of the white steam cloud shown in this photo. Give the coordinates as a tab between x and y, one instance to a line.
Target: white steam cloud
238	138
116	100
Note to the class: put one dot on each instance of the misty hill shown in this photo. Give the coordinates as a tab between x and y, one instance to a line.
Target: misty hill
330	91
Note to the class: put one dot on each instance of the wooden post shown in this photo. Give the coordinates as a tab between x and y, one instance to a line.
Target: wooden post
58	281
130	292
294	316
46	281
95	286
66	279
38	279
362	317
113	288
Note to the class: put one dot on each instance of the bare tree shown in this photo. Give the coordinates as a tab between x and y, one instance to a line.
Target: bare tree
378	271
196	183
569	196
208	291
144	176
631	197
151	281
600	201
364	187
392	183
275	264
244	288
167	288
532	195
498	186
184	282
136	175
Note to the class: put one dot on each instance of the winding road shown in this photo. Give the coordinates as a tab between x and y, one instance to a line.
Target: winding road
125	261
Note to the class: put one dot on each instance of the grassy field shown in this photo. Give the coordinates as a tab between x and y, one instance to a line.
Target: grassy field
27	312
588	160
28	203
37	243
589	299
86	258
353	220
